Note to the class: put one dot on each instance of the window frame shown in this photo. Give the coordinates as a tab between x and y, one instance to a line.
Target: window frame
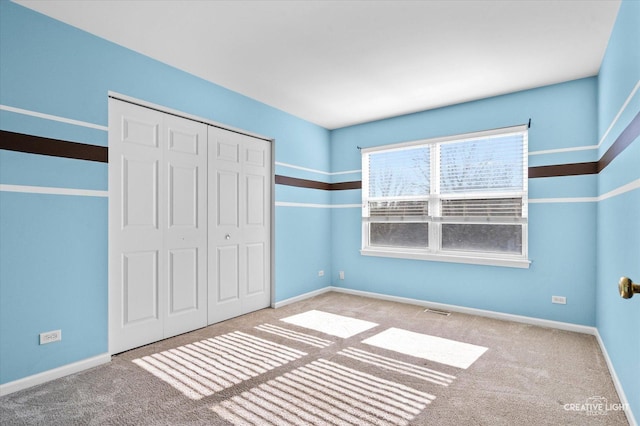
434	251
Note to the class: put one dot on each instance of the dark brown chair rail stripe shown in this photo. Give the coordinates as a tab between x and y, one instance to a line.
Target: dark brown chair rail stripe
571	169
302	183
58	148
53	147
628	135
305	183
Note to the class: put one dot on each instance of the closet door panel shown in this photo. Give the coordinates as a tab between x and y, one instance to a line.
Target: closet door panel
240	234
225	257
185	233
256	272
183	280
228	290
256	223
139	287
136	252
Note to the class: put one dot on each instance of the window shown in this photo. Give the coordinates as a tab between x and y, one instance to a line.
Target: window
459	199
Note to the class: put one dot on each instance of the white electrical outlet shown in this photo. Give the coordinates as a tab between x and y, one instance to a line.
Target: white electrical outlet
50	337
321	273
559	299
342	275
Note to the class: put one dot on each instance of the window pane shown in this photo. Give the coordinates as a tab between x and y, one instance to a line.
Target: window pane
403	172
399	234
482	164
484	238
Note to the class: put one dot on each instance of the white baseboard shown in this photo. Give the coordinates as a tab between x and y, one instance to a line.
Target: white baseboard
473	311
53	374
302	297
616	382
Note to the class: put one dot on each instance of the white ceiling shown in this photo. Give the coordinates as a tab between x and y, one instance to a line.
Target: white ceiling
337	63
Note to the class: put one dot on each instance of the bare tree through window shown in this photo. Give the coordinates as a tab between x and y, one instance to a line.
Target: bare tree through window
477	206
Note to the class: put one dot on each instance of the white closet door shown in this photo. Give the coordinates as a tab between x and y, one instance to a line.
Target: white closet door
135	227
157	225
239	224
185	237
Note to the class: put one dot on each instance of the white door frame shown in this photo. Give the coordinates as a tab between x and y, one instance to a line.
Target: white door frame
166	110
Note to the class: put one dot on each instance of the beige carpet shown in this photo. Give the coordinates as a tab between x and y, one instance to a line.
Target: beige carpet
339	359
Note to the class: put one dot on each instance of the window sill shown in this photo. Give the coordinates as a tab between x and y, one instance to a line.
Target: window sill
469	259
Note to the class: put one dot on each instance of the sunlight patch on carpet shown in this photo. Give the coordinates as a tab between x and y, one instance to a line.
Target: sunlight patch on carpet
445	351
203	368
412	370
294	335
325	392
332	324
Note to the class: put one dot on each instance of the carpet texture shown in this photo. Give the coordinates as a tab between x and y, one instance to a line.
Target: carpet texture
288	366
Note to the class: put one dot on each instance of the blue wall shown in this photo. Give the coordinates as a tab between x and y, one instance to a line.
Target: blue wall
618	242
561	231
53	248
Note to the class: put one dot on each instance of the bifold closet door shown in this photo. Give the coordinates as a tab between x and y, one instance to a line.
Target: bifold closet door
239	224
157	225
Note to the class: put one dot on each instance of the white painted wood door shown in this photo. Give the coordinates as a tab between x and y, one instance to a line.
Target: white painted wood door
157	225
185	240
239	224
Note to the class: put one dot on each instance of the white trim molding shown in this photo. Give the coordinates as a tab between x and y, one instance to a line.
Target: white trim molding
635	184
622	108
306	169
616	382
56	373
302	297
346	206
560	150
566	326
584	329
346	172
306	205
25	189
316	206
53	117
449	257
563	200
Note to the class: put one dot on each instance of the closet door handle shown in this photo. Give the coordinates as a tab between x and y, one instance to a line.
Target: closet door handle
227	237
627	288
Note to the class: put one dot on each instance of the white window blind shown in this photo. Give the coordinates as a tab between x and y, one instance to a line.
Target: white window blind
399	184
482	164
483	179
463	196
